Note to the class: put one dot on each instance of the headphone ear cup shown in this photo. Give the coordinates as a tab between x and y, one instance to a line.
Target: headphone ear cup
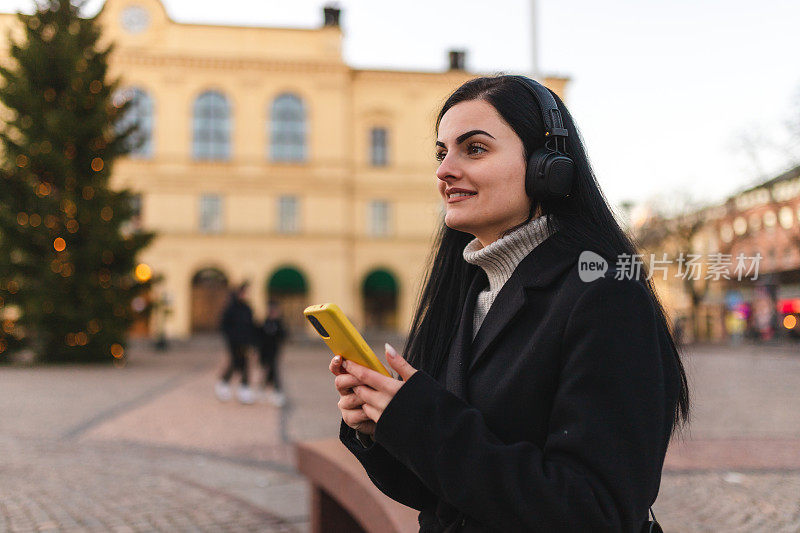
549	175
559	175
535	176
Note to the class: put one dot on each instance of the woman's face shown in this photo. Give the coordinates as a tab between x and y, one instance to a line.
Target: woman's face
480	153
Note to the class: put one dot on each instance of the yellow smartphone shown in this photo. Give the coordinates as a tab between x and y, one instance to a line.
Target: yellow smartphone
342	337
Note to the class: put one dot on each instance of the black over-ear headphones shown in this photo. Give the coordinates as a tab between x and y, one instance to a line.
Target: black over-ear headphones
550	171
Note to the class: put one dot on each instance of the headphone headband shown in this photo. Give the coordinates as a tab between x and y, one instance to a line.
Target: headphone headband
553	124
550	173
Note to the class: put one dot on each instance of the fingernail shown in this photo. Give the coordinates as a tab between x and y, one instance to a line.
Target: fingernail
390	351
344	364
337	359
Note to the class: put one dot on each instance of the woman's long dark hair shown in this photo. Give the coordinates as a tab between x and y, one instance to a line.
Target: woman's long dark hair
583	219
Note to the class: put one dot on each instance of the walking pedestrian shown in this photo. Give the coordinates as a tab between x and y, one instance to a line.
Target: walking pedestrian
271	335
239	330
535	395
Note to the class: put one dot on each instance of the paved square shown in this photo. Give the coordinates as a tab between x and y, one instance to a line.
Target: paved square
148	447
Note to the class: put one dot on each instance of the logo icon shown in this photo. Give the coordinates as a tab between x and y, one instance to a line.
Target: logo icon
591	266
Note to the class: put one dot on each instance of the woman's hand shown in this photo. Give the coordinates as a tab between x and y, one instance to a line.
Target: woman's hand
375	390
366	393
350	404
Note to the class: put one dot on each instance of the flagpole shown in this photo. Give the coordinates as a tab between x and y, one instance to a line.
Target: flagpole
534	42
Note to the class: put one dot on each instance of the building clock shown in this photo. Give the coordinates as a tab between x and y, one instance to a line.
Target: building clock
135	19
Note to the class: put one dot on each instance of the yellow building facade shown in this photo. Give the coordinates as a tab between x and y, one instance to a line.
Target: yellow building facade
268	159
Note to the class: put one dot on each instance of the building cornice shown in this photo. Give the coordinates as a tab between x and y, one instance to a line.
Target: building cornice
230	238
416	75
130	57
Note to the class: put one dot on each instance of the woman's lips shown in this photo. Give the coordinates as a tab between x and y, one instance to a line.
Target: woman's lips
459	198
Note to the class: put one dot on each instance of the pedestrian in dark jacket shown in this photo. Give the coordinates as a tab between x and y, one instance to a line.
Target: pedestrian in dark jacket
539	388
239	331
271	335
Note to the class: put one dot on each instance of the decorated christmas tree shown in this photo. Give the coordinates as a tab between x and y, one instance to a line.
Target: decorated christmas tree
68	267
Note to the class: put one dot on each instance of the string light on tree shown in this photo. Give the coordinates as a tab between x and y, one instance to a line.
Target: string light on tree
143	273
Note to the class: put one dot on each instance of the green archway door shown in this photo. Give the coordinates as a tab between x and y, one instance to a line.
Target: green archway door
379	294
288	286
209	297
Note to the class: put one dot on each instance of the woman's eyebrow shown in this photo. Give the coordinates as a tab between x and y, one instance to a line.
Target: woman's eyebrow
464	136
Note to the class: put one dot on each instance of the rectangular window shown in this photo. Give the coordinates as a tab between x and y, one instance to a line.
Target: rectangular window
210	213
379	151
288	214
379	218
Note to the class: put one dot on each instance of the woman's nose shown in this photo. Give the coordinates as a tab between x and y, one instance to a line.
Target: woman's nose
448	168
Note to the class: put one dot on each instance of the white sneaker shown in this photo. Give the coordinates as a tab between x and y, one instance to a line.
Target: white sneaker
245	395
278	399
223	391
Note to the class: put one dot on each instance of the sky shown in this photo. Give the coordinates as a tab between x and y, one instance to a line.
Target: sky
672	97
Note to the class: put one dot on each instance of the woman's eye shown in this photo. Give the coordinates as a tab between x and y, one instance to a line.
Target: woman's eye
473	147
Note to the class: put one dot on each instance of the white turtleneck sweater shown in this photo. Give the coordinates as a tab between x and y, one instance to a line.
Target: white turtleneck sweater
500	259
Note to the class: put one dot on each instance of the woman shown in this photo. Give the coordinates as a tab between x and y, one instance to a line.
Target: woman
530	400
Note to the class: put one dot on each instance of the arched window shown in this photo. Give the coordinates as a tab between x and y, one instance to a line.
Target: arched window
287	129
140	113
211	126
379	291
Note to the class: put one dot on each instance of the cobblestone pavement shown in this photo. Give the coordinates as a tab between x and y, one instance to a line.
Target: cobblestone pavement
79	487
142	448
730	501
148	448
738	467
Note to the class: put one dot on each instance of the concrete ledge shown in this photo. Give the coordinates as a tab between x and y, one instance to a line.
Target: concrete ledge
343	499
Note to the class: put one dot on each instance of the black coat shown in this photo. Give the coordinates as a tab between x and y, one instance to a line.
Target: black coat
237	322
555	418
271	335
